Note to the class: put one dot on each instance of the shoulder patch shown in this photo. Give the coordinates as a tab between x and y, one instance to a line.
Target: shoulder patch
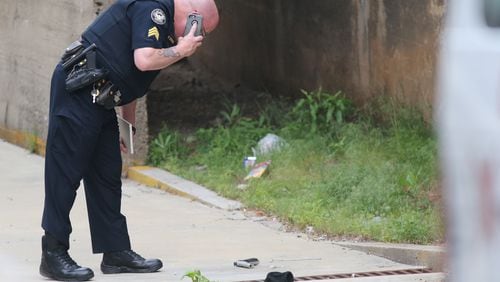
158	16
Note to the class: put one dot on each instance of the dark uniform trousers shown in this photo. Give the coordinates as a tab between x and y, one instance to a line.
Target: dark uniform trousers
83	143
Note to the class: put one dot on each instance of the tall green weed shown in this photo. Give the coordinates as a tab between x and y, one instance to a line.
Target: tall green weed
369	173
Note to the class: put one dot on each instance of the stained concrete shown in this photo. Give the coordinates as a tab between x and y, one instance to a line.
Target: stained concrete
33	40
365	48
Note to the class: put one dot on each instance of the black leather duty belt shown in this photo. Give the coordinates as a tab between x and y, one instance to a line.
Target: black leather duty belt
80	64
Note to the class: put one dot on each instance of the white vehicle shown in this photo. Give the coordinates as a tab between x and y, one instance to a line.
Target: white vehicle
468	119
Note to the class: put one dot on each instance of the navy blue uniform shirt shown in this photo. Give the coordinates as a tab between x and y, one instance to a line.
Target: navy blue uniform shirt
125	26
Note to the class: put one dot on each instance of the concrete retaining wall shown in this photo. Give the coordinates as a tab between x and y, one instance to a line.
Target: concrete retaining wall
34	36
363	47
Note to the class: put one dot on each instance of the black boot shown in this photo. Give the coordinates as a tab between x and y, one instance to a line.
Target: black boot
58	265
128	261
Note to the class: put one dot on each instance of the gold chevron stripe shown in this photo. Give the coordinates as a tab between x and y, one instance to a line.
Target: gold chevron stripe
154	32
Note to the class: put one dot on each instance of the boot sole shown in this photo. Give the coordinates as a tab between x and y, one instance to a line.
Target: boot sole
52	276
110	269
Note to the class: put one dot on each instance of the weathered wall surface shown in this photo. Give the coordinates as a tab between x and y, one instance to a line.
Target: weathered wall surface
34	36
363	47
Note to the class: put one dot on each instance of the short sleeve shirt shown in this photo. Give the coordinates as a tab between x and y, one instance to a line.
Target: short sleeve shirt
151	25
124	27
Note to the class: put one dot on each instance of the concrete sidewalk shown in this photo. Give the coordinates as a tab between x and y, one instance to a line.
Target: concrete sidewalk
185	234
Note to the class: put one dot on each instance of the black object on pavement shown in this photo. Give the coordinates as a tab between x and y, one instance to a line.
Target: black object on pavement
279	277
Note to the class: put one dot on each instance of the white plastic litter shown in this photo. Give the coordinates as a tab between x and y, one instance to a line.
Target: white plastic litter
269	143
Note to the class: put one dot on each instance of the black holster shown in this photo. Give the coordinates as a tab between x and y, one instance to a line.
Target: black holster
109	96
81	64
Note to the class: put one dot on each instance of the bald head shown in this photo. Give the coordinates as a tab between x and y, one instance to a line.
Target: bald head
207	8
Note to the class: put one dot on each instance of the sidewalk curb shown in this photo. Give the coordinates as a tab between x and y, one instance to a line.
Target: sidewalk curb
164	180
29	141
417	255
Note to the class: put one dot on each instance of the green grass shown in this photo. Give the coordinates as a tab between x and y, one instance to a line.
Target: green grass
196	276
370	173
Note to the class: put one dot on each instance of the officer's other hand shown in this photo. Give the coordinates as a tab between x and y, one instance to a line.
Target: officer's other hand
123	147
188	44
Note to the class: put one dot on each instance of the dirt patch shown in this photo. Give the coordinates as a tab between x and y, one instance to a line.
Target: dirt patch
185	97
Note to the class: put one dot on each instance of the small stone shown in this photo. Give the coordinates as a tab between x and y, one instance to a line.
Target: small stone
242	186
200	168
309	229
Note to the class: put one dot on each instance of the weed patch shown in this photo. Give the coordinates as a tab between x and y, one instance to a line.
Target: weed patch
345	172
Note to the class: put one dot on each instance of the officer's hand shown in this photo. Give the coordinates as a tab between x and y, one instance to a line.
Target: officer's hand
123	147
188	44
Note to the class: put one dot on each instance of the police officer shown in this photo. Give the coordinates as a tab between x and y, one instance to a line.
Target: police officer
134	39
